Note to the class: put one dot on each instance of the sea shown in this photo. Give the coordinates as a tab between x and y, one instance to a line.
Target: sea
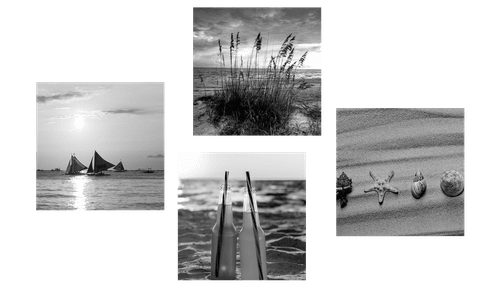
129	190
273	197
211	79
282	214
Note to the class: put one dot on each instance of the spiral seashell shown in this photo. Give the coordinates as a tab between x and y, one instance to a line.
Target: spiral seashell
418	186
344	183
344	186
452	183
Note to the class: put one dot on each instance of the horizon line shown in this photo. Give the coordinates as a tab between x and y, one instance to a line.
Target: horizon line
243	179
247	68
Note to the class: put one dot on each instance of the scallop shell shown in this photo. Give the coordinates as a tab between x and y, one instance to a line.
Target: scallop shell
452	183
418	186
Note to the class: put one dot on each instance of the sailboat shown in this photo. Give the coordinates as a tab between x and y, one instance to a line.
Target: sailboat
149	171
99	166
119	167
90	171
74	166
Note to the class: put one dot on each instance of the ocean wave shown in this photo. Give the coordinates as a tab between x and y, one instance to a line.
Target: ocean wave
39	195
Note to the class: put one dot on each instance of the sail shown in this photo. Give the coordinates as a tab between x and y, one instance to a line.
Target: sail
100	164
68	169
77	165
90	170
74	166
119	167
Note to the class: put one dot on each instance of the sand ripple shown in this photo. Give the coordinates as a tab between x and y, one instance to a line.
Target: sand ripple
404	141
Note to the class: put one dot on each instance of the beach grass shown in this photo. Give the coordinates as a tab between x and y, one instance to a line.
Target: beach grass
258	99
313	113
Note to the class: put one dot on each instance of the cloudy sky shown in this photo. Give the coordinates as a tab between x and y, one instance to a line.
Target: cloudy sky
274	24
119	120
262	166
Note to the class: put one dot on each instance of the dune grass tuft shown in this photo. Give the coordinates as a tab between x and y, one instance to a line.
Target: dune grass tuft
255	100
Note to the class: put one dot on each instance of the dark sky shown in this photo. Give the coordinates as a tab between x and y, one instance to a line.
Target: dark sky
274	24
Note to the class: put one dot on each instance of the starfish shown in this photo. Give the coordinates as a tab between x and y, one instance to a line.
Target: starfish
382	186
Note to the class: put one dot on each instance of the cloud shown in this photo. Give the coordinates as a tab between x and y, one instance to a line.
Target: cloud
133	111
47	92
125	111
65	96
92	114
201	37
274	24
156	156
98	114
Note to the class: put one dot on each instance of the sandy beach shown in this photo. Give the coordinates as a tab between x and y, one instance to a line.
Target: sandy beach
402	140
301	119
282	217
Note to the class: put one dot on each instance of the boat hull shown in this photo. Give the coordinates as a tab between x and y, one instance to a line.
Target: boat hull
97	174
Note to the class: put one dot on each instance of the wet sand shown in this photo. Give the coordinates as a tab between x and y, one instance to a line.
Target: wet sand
285	241
402	140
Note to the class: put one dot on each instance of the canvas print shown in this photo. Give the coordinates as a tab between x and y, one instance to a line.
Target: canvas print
242	216
400	172
100	146
257	71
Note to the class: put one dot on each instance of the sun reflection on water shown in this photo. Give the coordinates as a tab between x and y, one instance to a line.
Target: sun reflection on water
79	183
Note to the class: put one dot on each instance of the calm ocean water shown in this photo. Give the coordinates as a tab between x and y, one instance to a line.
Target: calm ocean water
211	79
130	190
272	196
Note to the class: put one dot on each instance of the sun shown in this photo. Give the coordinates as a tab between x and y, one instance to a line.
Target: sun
79	122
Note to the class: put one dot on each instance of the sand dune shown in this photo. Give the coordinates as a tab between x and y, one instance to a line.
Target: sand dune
402	140
302	121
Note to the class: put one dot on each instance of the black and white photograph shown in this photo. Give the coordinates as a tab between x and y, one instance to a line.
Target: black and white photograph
232	205
257	71
400	172
100	146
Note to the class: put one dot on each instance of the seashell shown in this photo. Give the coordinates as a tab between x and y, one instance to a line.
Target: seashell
344	183
344	186
452	183
418	186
